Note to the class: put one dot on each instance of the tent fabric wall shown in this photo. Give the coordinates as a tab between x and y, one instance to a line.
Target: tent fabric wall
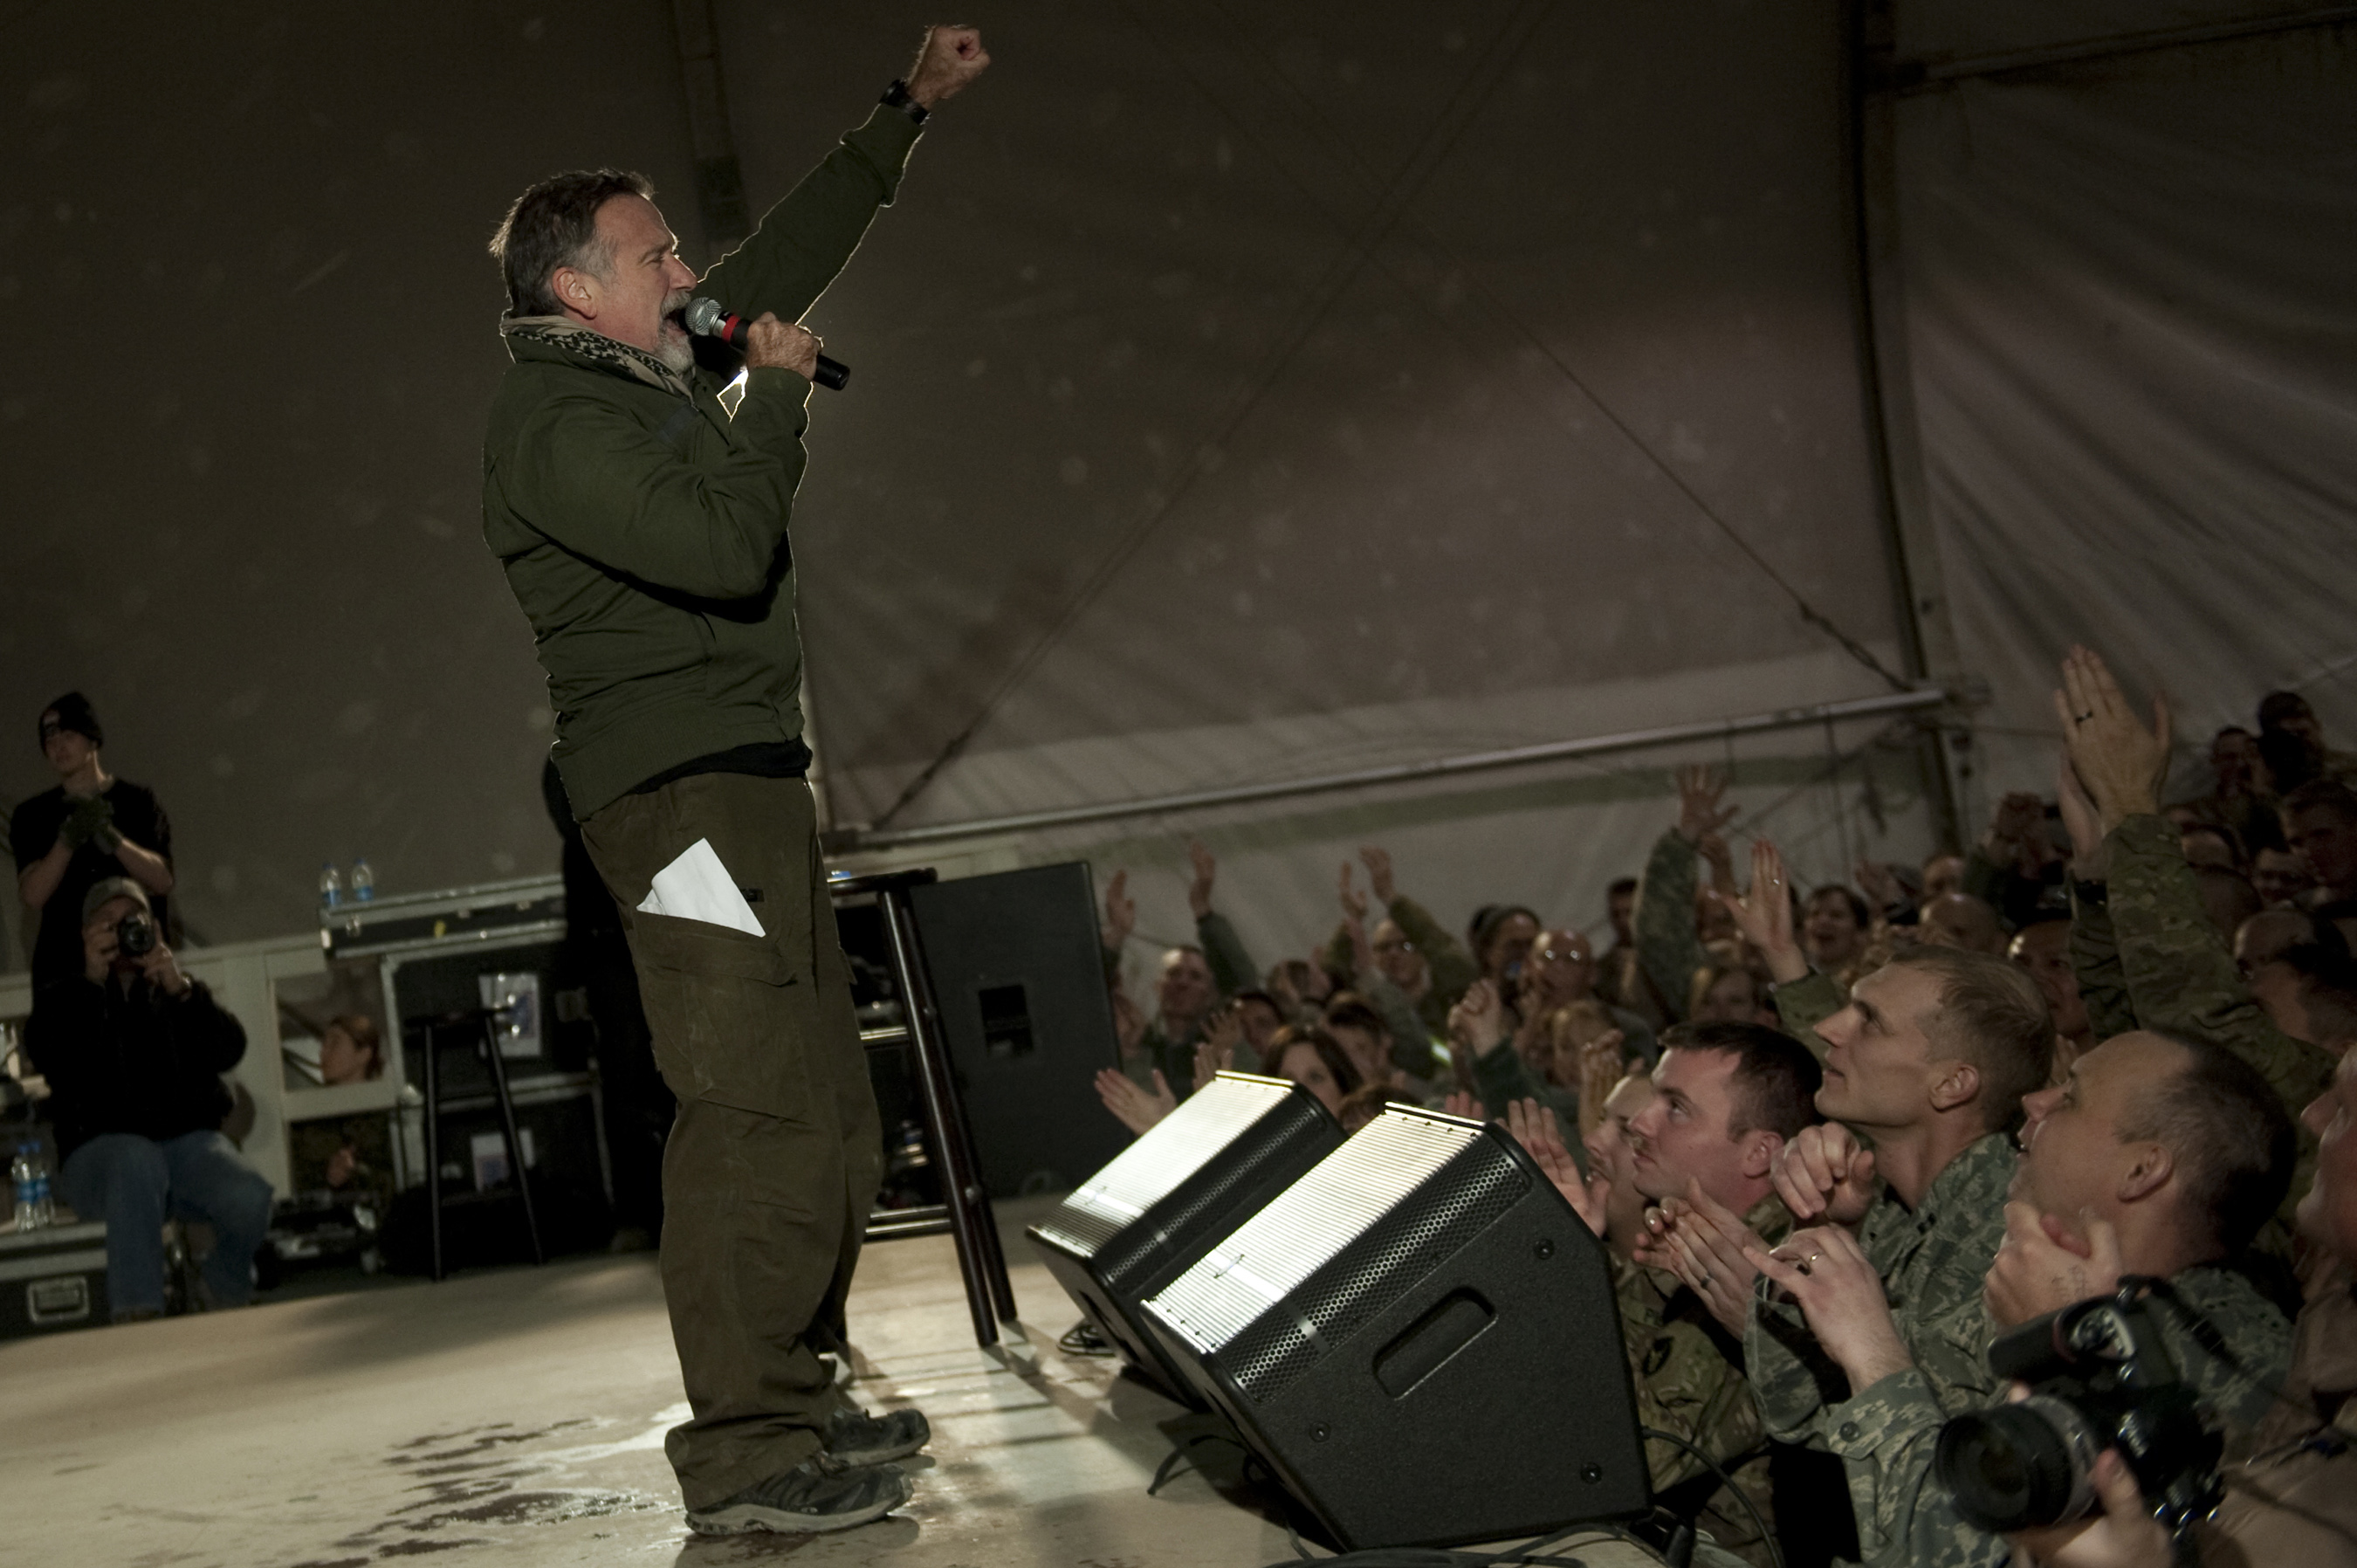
2134	346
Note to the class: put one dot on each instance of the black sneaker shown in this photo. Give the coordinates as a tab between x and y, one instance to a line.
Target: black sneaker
856	1437
819	1494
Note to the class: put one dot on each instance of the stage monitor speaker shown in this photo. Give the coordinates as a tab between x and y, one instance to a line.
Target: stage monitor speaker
1419	1337
1193	1178
1019	975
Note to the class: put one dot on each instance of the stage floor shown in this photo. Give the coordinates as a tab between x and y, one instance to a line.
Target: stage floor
517	1416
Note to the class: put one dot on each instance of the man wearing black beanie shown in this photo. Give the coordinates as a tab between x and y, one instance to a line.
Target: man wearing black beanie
92	826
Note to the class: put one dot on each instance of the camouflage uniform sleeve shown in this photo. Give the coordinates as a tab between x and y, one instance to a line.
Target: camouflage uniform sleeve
1411	1046
1231	964
2254	1334
1686	1387
1500	1077
1887	1436
1806	1003
2095	960
2181	976
1338	958
1452	969
1664	921
1791	1378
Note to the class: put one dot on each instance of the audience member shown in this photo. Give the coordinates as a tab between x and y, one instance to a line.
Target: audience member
2319	824
1500	937
1620	978
2286	715
1944	873
1669	937
1193	978
2043	948
2293	1499
91	828
2211	845
2148	956
1559	974
1314	1059
1726	1099
2308	991
1882	1315
2227	897
134	1050
1411	949
1834	923
2280	874
1960	920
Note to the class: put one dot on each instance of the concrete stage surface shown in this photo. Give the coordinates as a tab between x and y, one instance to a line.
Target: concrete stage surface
517	1416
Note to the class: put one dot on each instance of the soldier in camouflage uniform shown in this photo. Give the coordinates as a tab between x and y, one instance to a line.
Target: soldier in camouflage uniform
1886	1322
2146	955
1726	1099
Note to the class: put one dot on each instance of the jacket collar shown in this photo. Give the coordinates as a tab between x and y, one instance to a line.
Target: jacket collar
583	345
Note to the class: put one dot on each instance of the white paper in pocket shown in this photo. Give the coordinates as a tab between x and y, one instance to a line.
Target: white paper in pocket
696	886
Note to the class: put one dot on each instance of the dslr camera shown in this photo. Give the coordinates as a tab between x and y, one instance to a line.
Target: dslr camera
2099	1377
134	935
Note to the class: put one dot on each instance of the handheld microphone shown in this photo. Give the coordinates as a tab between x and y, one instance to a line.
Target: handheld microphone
710	319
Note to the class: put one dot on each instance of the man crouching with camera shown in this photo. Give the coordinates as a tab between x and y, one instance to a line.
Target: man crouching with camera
2293	1500
134	1051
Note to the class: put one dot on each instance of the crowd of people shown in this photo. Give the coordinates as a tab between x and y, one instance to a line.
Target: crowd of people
1838	1139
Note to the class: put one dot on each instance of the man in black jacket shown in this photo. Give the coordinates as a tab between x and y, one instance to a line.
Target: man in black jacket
134	1050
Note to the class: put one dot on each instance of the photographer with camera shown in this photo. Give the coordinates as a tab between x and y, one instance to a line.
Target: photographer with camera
92	826
2293	1500
134	1050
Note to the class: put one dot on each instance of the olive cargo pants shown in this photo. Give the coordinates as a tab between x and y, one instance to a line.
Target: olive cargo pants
773	1161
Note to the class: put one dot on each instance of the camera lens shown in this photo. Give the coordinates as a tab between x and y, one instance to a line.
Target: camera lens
135	935
2018	1465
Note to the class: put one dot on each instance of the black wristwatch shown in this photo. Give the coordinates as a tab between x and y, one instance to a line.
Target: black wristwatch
896	97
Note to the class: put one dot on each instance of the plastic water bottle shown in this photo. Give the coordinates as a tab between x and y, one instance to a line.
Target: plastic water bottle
363	881
331	887
35	1208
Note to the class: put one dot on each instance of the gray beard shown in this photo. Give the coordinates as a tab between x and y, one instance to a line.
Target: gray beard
676	354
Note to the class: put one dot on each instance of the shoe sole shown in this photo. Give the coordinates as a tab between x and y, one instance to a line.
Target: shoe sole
748	1519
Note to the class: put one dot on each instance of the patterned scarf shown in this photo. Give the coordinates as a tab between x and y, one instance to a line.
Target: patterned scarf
584	343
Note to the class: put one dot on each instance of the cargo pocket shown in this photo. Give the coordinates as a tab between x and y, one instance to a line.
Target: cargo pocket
724	1008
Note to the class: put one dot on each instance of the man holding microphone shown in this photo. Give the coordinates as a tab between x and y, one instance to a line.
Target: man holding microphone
643	528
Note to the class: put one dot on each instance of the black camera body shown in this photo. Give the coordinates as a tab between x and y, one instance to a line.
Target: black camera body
134	935
2099	1376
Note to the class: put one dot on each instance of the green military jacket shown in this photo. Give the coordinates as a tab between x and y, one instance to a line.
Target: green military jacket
1448	968
1667	945
1688	1375
2148	957
1931	1260
1803	1004
642	526
1915	1521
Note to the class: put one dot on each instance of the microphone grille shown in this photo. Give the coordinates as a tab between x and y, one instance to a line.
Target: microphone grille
703	316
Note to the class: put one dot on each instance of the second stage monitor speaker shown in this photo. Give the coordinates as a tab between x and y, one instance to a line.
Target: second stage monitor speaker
1420	1340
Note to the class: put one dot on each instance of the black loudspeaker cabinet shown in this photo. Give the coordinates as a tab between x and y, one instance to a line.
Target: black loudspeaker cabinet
1018	975
1420	1340
1192	1178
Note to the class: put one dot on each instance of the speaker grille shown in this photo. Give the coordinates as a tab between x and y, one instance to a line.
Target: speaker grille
1341	1244
1171	1152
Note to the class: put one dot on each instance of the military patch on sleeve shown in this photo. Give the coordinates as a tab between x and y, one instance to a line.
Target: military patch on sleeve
1657	1355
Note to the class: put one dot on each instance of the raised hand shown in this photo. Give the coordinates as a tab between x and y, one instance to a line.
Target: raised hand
1826	1175
2082	822
1829	1274
1223	1031
1764	914
1531	1124
1700	791
2120	760
1354	903
947	62
1713	848
1881	887
1478	1022
1128	1023
1378	862
1702	1242
2126	1536
1602	1063
1462	1103
1121	912
2041	1267
1206	870
1134	1108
